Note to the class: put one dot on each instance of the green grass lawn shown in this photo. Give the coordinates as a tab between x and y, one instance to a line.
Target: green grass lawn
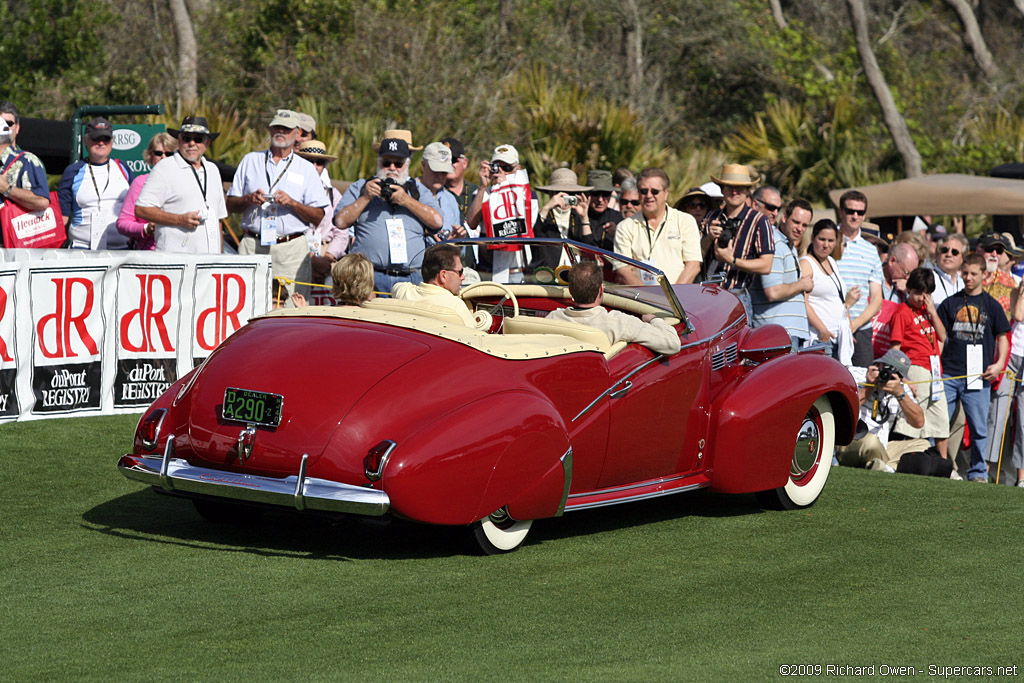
104	579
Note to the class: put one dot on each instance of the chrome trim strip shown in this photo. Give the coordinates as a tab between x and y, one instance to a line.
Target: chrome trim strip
317	494
379	472
628	487
817	346
300	484
714	336
611	389
150	445
765	349
567	473
642	496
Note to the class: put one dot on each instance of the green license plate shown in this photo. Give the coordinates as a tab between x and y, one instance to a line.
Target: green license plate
254	407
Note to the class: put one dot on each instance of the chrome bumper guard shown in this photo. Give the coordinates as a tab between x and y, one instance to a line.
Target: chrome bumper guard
300	492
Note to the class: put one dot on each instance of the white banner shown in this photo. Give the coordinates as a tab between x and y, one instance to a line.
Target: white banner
94	333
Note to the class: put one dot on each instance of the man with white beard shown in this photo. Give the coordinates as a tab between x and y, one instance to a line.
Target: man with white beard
392	217
279	195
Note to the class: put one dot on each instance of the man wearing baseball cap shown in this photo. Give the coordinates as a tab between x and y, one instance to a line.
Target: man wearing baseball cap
881	402
436	165
391	215
279	194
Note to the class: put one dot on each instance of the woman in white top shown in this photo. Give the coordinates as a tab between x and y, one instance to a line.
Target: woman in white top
827	303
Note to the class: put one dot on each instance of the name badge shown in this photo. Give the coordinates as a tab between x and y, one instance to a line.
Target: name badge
937	390
295	178
268	231
396	240
99	221
975	366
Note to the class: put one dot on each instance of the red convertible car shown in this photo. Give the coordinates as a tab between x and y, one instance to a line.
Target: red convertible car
415	415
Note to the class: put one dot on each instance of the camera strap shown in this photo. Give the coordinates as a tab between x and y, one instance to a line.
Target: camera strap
204	183
271	186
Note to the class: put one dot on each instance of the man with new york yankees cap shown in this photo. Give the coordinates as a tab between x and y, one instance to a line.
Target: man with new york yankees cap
392	216
279	194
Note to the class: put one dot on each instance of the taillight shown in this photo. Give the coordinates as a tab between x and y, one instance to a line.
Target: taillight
376	458
149	428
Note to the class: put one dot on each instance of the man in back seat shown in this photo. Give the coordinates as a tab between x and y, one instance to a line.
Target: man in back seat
442	280
587	289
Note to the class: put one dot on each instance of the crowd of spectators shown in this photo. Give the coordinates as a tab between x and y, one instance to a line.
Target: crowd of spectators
928	325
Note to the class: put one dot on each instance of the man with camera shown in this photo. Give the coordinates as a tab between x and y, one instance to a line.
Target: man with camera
280	195
437	163
391	215
884	396
658	235
183	198
741	237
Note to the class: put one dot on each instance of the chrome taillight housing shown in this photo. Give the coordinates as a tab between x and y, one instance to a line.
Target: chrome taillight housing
376	458
149	428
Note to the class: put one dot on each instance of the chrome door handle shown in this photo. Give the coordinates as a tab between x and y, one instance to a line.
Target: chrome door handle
618	393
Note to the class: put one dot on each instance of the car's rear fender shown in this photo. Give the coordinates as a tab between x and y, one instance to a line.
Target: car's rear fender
504	449
756	421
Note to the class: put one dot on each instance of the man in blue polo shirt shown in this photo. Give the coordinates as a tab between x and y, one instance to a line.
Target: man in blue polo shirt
862	268
778	297
391	215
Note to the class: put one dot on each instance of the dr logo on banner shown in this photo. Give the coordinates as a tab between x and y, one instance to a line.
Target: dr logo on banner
149	319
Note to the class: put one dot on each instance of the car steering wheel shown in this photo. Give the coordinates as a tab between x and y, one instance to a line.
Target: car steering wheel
498	311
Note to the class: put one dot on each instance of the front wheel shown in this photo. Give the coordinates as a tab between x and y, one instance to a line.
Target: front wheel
498	533
812	461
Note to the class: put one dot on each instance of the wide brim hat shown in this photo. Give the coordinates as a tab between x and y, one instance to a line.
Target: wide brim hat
397	134
695	192
600	181
193	124
315	150
564	180
737	175
1014	251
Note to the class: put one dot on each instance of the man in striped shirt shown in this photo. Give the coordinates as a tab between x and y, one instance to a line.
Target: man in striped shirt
860	267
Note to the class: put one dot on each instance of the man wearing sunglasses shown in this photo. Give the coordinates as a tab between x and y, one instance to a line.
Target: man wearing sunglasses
442	274
279	195
658	235
602	219
949	256
184	197
860	267
391	215
92	190
768	201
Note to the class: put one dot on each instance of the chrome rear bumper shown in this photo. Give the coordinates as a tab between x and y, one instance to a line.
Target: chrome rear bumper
299	492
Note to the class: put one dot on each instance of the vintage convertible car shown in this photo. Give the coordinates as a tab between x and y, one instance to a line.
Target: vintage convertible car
396	409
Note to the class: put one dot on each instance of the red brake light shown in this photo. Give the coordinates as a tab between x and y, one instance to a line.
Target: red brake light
376	458
149	428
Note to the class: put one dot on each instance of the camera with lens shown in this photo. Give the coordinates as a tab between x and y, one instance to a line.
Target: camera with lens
571	200
387	188
730	226
495	167
885	373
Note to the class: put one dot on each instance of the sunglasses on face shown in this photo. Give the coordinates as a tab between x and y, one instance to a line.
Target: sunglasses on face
187	137
949	250
997	248
854	212
160	153
9	122
770	207
600	195
649	191
629	202
457	272
389	163
102	140
501	165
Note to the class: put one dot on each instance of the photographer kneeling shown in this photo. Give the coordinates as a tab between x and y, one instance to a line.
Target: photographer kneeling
883	397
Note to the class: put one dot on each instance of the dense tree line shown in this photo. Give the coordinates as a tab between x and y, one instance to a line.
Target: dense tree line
778	83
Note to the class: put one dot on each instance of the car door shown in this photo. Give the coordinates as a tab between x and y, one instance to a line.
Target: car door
656	414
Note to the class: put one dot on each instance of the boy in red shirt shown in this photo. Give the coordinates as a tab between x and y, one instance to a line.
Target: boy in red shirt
917	332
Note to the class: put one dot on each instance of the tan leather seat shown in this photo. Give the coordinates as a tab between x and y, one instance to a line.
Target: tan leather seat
524	324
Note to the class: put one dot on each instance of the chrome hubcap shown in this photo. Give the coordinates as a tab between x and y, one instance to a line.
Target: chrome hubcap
805	453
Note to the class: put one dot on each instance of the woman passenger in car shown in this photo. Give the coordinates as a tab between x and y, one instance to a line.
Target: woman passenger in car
353	282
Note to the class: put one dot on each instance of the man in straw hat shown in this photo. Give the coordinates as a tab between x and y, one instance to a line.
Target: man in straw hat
741	237
390	214
279	195
183	196
327	243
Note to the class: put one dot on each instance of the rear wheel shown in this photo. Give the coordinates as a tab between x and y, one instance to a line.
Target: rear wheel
498	533
812	461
